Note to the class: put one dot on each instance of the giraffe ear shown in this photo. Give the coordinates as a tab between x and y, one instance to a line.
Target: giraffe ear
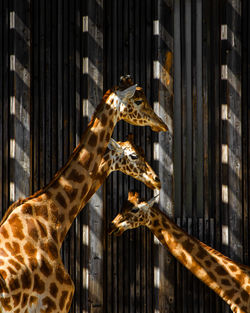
126	93
114	145
133	197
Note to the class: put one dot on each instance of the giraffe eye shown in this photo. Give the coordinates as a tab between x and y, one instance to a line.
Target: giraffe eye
134	210
138	102
134	156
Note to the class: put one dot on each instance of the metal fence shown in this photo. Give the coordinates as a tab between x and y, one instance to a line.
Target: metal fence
192	59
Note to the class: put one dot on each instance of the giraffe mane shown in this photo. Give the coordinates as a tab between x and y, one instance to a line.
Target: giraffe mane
19	202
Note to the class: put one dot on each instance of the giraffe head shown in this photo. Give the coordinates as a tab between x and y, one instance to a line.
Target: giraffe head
134	213
130	159
134	107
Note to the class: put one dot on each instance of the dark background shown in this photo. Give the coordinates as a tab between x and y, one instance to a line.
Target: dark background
57	58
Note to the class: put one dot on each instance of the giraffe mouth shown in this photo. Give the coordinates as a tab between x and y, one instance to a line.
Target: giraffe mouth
117	231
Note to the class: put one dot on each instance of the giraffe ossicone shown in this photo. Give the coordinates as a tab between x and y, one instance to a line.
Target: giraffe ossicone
229	279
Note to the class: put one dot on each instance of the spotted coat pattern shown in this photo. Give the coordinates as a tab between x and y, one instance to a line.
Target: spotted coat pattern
32	275
229	279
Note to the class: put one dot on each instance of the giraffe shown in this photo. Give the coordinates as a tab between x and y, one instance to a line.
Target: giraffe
127	158
32	275
229	279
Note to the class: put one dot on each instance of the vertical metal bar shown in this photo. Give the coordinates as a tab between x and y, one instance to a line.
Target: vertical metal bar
177	111
20	101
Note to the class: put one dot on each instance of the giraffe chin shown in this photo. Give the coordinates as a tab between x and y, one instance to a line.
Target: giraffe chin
115	231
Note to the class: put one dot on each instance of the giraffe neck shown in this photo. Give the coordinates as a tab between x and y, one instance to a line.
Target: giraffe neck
230	280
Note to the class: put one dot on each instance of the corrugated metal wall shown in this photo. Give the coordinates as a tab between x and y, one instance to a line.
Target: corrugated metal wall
192	59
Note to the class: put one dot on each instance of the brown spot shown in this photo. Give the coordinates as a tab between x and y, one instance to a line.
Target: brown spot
2	262
33	263
3	253
4	232
3	274
244	295
61	218
111	111
27	209
15	264
19	258
108	137
14	284
32	230
39	285
156	223
30	249
75	176
92	140
51	249
63	234
43	229
51	306
45	268
208	263
16	226
160	237
71	192
111	124
33	300
63	299
84	190
188	245
6	303
61	200
14	248
73	212
95	168
225	282
165	225
201	254
230	293
24	300
53	290
16	298
60	275
102	134
212	276
11	270
42	211
177	235
233	268
220	271
237	301
104	119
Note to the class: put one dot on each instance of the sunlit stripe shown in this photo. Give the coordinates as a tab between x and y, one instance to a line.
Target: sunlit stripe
12	192
224	154
12	105
224	111
224	72
224	194
224	234
156	28
223	32
12	20
12	148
